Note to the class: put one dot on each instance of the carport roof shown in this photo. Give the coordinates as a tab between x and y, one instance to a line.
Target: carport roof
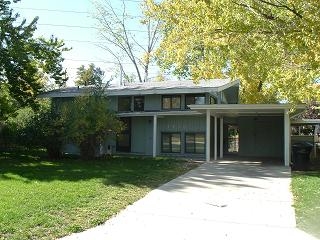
235	110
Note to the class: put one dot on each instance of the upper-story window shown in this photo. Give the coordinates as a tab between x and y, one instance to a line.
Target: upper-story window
195	99
124	104
171	102
138	103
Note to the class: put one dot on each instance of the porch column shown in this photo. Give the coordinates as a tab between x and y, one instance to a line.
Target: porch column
208	135
215	139
286	138
221	137
154	142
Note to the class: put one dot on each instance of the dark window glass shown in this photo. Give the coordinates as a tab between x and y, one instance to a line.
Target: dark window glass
139	103
195	99
213	100
124	138
171	142
195	142
124	104
171	102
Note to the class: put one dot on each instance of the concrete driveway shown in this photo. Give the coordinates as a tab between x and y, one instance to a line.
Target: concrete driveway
218	200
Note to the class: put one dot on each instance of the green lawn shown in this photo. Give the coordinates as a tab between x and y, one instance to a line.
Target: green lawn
306	191
42	199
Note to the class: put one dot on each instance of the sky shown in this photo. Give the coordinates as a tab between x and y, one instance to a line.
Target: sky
73	22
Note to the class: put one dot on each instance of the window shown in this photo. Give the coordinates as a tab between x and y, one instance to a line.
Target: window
170	143
213	100
171	102
195	142
138	103
124	138
195	99
124	104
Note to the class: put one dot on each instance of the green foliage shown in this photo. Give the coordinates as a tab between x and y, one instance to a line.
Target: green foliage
26	62
88	122
272	46
306	191
42	199
89	76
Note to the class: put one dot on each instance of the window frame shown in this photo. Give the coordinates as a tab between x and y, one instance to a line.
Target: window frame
170	143
194	142
171	97
130	103
135	108
193	96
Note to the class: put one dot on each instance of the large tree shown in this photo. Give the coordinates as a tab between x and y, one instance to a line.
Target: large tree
124	44
272	46
26	62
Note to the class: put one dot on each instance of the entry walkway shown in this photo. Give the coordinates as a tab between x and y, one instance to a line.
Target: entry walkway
218	200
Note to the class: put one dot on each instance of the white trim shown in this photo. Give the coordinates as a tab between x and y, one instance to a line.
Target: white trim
159	113
208	136
221	137
215	139
154	142
234	110
286	138
306	121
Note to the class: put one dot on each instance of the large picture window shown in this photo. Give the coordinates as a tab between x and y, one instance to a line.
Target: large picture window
138	103
195	142
171	102
195	99
124	104
170	142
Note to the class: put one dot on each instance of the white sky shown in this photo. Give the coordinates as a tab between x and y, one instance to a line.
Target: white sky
71	21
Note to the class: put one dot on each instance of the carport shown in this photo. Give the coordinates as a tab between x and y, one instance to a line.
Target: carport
218	112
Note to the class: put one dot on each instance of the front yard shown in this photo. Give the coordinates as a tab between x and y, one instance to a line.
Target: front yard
42	199
306	191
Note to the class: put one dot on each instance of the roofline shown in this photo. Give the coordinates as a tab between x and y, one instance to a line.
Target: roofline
228	85
306	121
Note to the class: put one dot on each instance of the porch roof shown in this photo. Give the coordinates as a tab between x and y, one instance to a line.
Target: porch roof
235	110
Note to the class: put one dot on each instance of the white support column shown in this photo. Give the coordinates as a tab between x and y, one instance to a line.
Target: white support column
287	141
154	142
208	135
221	137
215	139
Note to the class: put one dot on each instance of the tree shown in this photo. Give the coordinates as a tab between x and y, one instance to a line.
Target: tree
26	62
89	122
89	76
272	46
122	44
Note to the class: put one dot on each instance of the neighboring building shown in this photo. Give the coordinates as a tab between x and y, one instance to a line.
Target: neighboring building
205	121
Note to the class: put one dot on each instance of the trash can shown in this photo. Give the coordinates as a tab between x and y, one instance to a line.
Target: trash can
300	159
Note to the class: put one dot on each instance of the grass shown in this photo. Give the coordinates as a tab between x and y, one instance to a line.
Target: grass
306	191
42	199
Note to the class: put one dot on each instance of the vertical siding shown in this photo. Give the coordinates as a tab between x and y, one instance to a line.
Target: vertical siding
113	103
261	136
152	103
141	135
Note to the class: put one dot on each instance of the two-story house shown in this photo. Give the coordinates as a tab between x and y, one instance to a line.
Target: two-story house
205	121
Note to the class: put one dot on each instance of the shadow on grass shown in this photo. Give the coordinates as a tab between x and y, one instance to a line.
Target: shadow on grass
117	170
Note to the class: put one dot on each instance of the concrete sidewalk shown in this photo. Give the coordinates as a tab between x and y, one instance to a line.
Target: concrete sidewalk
220	200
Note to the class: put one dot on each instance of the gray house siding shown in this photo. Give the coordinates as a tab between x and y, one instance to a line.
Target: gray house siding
152	103
261	136
141	135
